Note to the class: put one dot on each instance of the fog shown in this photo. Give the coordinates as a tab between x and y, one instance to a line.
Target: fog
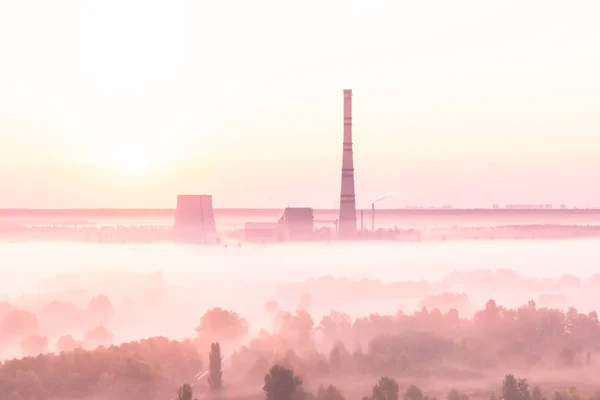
244	278
32	262
88	295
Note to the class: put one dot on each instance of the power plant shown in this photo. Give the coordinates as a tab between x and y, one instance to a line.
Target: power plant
195	223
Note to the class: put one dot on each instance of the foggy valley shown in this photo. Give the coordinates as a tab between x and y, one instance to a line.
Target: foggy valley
438	315
315	200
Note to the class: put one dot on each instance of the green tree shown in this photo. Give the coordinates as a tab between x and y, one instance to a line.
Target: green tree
215	374
329	393
185	392
282	384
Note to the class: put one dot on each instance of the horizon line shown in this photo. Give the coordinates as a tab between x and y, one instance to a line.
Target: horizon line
16	209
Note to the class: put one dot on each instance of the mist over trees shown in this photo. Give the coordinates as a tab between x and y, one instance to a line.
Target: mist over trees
416	348
139	369
221	325
435	352
282	384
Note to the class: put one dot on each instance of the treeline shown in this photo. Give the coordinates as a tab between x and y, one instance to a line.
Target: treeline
424	343
503	280
421	346
139	369
281	383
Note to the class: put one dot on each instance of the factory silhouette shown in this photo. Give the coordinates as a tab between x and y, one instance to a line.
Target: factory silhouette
194	220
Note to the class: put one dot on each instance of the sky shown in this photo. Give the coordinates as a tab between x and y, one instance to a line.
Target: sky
128	103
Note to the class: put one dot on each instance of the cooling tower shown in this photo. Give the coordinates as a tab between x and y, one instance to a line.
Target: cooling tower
347	219
195	220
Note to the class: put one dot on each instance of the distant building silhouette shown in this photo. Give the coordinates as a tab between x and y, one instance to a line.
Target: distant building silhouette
529	206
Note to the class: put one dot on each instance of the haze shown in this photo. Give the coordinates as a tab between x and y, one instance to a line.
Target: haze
125	104
466	269
60	296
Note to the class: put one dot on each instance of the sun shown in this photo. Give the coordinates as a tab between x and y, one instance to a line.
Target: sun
134	164
132	160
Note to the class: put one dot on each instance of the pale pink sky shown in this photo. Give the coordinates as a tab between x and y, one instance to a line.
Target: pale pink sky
128	103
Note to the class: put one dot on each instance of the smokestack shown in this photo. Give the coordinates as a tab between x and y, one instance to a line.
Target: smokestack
347	220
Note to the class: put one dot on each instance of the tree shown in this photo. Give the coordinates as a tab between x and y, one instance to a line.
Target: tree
272	307
509	388
329	393
567	356
387	389
413	393
523	389
335	326
536	394
128	371
34	345
67	343
28	385
17	324
219	324
570	394
100	309
185	392
456	395
282	384
295	328
60	316
515	389
339	357
215	374
99	336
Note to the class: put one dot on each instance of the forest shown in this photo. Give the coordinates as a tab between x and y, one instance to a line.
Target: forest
434	350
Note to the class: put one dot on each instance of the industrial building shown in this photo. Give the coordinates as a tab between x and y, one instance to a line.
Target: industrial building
195	223
297	224
195	220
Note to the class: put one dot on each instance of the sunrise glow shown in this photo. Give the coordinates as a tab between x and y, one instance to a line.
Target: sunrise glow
132	160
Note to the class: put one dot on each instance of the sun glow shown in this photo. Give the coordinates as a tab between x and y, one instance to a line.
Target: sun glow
133	163
133	160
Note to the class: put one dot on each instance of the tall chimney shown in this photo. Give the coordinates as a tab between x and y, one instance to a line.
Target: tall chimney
347	220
